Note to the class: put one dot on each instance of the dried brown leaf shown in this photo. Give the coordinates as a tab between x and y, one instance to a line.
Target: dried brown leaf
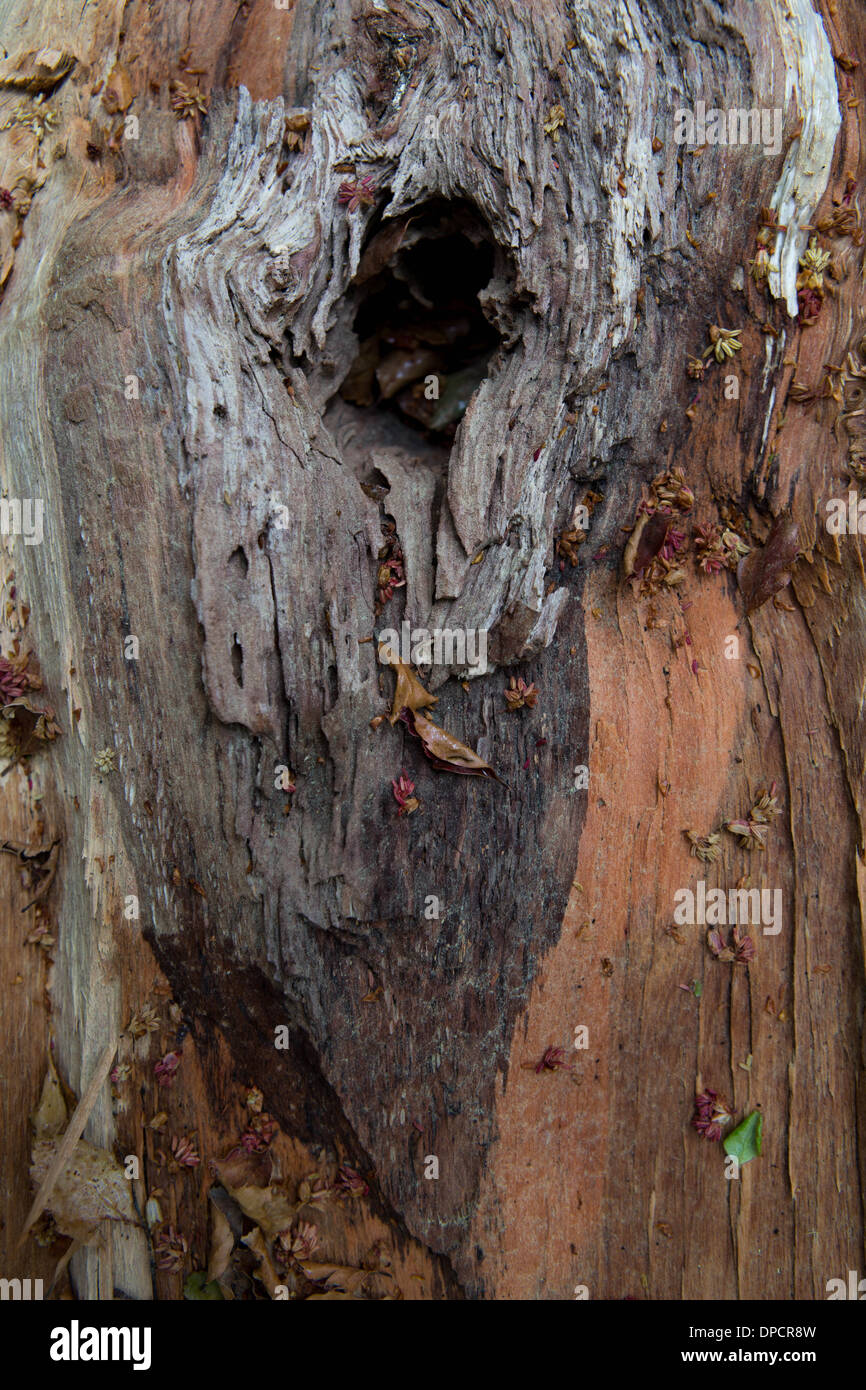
765	572
64	1148
267	1206
266	1271
49	1117
403	366
243	1169
222	1243
409	692
334	1276
645	542
383	246
446	752
90	1188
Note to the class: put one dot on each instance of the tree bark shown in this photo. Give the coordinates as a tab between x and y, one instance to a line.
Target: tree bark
183	284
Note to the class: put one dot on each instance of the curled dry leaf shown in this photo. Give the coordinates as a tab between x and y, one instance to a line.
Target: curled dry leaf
409	692
243	1168
444	751
414	403
266	1271
331	1277
267	1206
403	366
645	542
91	1188
383	246
765	572
450	328
49	1117
58	1162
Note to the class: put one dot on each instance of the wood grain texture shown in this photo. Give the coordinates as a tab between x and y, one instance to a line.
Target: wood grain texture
216	266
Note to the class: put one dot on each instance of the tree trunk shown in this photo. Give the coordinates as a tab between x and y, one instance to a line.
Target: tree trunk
227	210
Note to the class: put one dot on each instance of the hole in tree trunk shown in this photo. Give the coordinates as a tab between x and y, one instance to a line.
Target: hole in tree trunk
238	561
238	661
419	342
424	343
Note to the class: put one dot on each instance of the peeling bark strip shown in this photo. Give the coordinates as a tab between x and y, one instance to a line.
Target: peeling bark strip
514	166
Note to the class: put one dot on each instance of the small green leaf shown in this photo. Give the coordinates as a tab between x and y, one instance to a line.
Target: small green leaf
697	988
198	1289
744	1142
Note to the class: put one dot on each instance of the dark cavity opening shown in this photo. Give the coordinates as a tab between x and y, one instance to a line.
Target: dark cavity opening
238	560
424	344
238	661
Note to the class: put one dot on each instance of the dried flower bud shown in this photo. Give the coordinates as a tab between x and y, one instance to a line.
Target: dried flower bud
813	263
403	790
568	544
724	342
15	677
170	1248
744	948
349	1182
810	301
552	1059
759	268
186	101
752	831
718	946
357	194
183	1151
166	1068
105	760
704	847
711	1113
519	694
555	119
